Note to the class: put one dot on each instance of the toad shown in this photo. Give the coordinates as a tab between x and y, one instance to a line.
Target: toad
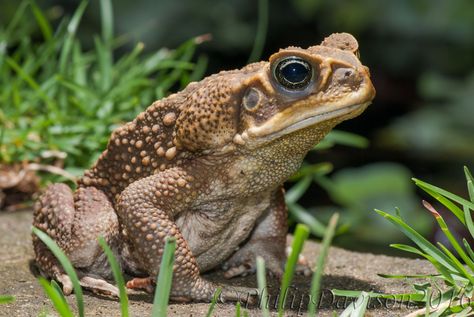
205	166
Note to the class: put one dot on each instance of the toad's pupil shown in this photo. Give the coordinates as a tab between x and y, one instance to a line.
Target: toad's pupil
293	73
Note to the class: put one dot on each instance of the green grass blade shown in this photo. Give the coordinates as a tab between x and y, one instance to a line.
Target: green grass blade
212	306
67	266
107	22
6	299
71	32
460	268
444	271
315	170
419	240
59	290
300	236
237	309
28	79
428	302
262	286
358	308
469	222
43	23
399	276
444	228
416	297
199	69
468	248
104	56
303	216
347	138
165	277
61	306
262	27
117	272
470	183
16	19
430	189
320	264
298	190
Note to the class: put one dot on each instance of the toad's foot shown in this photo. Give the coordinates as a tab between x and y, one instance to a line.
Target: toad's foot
302	265
142	283
95	285
243	262
228	293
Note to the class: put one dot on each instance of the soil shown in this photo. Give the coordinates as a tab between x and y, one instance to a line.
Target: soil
344	270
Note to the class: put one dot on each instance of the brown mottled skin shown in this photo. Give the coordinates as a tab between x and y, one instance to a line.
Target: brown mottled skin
205	165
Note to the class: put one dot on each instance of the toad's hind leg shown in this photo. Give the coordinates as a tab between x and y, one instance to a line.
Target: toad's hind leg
75	222
146	210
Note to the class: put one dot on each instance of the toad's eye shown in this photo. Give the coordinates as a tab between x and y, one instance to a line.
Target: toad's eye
293	73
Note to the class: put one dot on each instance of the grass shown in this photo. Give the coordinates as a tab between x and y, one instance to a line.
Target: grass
49	83
454	261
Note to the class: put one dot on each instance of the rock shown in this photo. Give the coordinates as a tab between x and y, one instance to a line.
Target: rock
344	270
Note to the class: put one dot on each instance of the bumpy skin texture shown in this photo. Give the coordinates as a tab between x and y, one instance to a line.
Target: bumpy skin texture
206	166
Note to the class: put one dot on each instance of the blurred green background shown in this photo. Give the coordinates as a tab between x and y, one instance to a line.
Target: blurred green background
421	57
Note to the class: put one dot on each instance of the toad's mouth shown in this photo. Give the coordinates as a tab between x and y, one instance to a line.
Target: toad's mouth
305	120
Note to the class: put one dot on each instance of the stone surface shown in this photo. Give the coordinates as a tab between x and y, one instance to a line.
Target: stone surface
344	270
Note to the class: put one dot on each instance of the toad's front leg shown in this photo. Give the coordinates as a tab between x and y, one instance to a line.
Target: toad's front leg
146	210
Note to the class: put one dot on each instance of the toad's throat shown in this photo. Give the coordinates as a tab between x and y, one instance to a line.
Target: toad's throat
309	120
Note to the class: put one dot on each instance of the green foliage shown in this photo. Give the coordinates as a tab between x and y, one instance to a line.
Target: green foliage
454	263
57	95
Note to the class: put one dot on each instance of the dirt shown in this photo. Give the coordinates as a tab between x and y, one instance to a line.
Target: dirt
344	270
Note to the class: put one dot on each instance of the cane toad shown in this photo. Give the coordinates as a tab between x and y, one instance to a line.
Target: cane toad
206	166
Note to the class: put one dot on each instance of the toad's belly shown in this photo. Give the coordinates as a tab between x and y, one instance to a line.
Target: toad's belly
215	230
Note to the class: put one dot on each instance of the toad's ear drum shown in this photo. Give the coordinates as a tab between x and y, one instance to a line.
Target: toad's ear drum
343	41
